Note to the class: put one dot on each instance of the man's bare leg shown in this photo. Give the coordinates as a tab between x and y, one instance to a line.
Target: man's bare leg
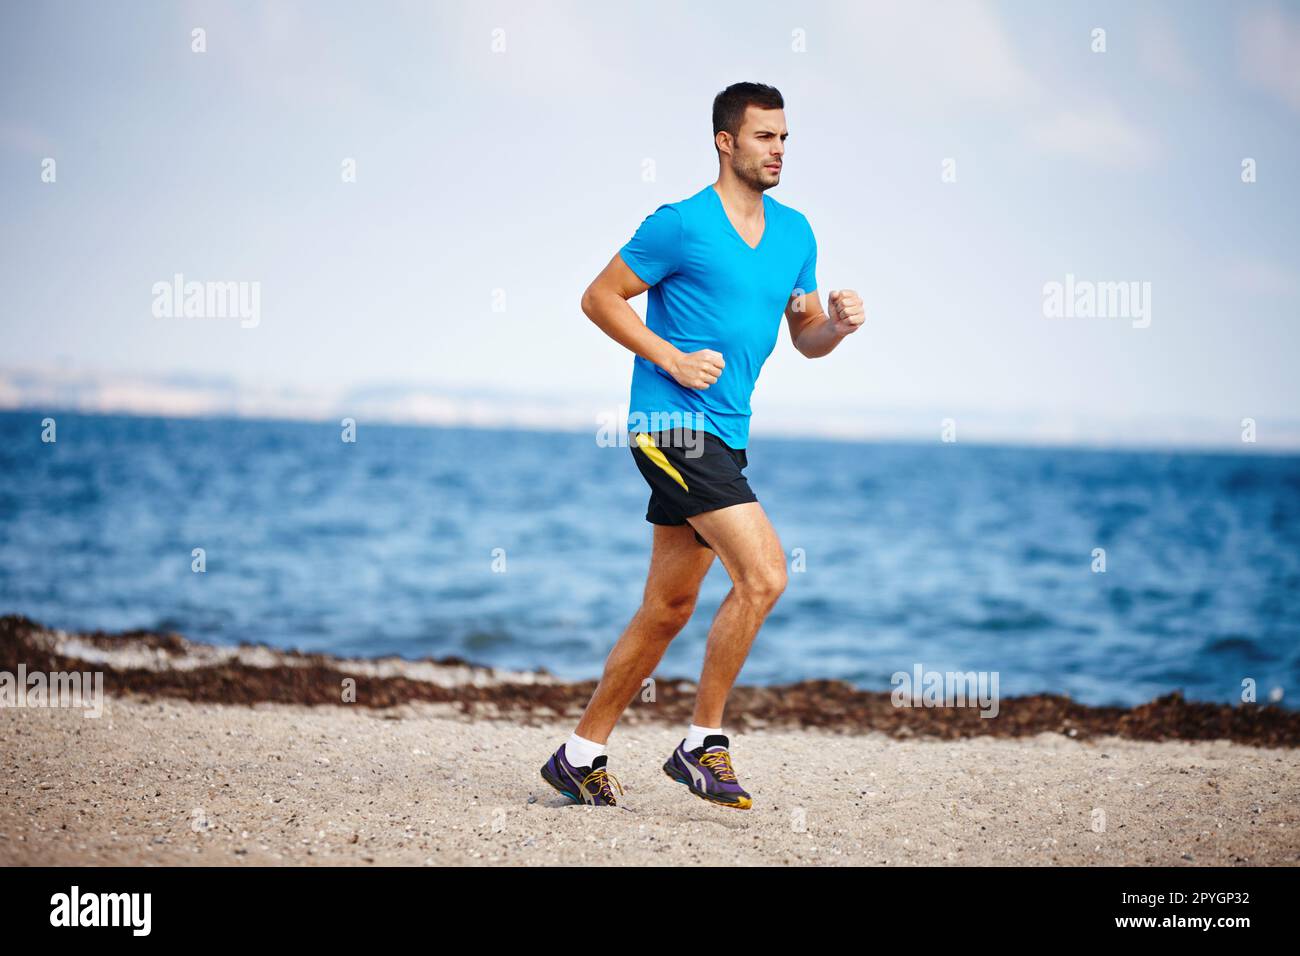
678	564
750	550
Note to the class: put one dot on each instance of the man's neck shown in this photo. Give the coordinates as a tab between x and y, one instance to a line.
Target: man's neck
740	198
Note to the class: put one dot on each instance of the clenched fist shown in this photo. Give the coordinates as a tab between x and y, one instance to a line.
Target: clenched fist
846	311
697	370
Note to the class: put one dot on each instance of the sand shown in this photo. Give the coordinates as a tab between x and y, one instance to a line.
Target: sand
163	781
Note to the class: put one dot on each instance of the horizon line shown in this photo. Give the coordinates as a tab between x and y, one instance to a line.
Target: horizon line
988	440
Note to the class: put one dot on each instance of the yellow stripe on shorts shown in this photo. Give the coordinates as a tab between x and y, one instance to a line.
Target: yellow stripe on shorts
653	452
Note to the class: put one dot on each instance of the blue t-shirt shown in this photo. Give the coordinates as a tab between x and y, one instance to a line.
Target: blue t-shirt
710	290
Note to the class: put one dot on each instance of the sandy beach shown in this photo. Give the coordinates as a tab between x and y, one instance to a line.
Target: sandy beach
163	779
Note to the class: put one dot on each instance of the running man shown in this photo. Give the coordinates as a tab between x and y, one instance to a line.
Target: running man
720	266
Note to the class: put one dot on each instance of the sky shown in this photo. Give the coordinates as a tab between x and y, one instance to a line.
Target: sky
503	152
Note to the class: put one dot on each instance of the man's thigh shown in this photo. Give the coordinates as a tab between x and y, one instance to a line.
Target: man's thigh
742	537
678	563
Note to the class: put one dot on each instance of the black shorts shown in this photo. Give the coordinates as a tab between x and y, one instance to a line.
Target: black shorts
689	471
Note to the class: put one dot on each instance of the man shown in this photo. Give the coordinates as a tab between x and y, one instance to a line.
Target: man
720	267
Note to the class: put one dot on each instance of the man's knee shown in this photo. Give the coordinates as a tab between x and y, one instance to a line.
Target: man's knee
764	582
667	614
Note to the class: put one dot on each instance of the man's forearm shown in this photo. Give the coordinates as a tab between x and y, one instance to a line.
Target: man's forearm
616	318
819	337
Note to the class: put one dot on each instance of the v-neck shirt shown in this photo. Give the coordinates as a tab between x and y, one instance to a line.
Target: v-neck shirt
709	289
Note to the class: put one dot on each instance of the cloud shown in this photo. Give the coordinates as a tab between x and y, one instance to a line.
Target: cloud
933	49
1162	54
544	51
285	52
1257	277
1268	54
964	53
1099	134
23	139
958	49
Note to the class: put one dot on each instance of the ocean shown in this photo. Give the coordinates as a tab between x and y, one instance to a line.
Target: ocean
527	550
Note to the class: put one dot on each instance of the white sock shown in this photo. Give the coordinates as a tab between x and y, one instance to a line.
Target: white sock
696	734
581	752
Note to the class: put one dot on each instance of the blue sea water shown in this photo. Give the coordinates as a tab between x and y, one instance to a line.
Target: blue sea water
951	556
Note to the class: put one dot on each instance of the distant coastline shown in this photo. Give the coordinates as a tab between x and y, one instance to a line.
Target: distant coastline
87	392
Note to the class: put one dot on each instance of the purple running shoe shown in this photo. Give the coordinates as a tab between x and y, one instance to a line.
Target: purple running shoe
708	772
582	784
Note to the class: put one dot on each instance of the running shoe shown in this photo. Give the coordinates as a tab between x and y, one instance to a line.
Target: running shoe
708	772
582	784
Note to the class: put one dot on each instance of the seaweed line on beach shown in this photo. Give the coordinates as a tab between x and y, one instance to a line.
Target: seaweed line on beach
165	664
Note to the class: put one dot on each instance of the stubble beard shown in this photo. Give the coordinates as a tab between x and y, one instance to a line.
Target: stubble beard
756	177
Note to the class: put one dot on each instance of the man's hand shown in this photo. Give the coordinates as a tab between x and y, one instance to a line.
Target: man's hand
697	370
846	311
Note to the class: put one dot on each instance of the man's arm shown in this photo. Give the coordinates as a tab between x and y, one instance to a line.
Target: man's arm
816	332
606	303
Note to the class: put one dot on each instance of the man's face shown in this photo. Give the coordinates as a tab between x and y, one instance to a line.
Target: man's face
759	148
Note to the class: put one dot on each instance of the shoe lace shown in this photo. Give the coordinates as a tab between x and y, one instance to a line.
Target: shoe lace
719	761
601	778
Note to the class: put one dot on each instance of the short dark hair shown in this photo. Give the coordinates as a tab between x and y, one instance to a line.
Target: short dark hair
729	105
